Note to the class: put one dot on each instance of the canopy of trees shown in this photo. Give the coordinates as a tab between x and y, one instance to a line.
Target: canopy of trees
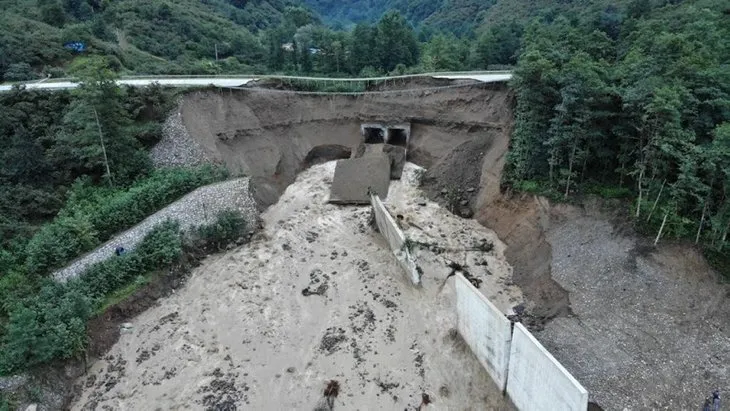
637	98
454	16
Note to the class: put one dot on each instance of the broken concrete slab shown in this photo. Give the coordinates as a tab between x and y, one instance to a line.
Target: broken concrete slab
397	155
355	177
368	150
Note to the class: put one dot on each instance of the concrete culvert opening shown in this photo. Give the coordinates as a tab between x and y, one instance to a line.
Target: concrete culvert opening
374	135
398	137
324	153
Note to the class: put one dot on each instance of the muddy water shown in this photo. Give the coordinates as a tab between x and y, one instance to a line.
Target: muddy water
317	296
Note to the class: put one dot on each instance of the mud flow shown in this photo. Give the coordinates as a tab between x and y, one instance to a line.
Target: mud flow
459	134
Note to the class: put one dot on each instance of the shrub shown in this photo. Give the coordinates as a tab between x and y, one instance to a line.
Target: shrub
161	247
50	325
529	186
227	228
60	242
122	210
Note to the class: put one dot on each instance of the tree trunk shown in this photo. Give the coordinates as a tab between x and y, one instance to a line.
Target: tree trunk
724	235
702	220
103	150
570	169
659	234
638	202
656	201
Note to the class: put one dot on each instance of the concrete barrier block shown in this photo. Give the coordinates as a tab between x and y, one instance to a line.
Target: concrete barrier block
485	329
356	176
397	156
396	240
537	381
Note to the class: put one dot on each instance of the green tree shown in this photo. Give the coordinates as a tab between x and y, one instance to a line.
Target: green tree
96	128
396	42
52	12
362	47
19	72
444	53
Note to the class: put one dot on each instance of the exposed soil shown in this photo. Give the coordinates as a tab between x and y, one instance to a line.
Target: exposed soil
241	334
650	327
272	136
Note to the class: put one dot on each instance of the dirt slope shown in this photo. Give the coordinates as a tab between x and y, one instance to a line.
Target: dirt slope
267	135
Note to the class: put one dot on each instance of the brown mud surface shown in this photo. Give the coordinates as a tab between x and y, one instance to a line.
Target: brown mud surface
269	135
316	297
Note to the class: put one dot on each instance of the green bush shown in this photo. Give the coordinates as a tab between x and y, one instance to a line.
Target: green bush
122	210
60	242
529	186
52	323
49	325
161	247
228	227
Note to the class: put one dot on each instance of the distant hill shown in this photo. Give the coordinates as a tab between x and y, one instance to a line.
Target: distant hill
456	16
140	35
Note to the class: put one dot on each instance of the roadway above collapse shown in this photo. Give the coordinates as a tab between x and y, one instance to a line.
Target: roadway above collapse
238	81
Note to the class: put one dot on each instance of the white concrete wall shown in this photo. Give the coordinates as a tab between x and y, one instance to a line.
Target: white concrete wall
537	381
396	239
485	329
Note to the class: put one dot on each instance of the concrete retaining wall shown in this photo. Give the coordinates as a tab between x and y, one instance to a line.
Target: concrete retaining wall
396	239
485	329
537	381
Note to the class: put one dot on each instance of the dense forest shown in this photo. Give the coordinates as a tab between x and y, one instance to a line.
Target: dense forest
453	16
633	103
627	100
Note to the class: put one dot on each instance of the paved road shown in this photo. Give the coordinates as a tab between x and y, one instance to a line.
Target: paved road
240	81
484	78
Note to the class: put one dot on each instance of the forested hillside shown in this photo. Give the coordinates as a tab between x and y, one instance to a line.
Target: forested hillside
138	36
455	16
74	172
634	102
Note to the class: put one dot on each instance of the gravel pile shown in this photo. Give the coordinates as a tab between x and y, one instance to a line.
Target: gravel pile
197	208
650	328
177	148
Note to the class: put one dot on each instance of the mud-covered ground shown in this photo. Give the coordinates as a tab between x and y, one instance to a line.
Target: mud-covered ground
650	327
317	296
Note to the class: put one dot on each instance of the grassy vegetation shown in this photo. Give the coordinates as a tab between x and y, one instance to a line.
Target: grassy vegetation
125	292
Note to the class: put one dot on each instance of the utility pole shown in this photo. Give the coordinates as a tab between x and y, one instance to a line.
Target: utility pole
103	149
216	51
